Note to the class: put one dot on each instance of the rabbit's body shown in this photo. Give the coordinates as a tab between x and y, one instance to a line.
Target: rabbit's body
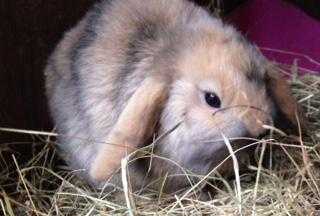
130	65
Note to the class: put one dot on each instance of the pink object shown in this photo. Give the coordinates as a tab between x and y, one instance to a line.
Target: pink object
282	31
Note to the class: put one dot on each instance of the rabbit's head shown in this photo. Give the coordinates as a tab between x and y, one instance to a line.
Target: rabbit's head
223	87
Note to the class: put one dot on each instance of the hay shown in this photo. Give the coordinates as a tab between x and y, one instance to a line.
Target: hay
290	186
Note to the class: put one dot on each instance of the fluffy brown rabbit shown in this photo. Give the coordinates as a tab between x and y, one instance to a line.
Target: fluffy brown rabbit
132	69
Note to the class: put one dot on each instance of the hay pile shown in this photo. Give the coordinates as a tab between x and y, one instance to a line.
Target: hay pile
291	186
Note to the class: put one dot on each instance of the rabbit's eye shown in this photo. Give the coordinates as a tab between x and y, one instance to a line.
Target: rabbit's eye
212	99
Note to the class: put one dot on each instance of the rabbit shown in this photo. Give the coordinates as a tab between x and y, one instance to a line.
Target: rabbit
134	70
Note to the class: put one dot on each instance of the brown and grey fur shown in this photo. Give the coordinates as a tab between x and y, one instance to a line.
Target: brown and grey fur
130	65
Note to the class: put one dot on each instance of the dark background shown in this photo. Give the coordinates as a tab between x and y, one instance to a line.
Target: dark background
29	30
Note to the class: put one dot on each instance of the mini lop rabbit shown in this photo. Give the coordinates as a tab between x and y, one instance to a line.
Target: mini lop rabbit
133	69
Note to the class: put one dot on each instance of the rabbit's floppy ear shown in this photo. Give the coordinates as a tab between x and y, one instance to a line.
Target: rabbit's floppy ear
287	113
134	125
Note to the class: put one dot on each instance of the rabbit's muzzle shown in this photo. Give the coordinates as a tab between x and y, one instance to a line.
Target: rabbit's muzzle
204	151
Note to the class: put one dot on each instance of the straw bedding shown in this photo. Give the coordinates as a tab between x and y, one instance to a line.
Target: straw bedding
287	184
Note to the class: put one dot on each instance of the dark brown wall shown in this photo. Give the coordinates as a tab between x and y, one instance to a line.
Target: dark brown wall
311	7
29	29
